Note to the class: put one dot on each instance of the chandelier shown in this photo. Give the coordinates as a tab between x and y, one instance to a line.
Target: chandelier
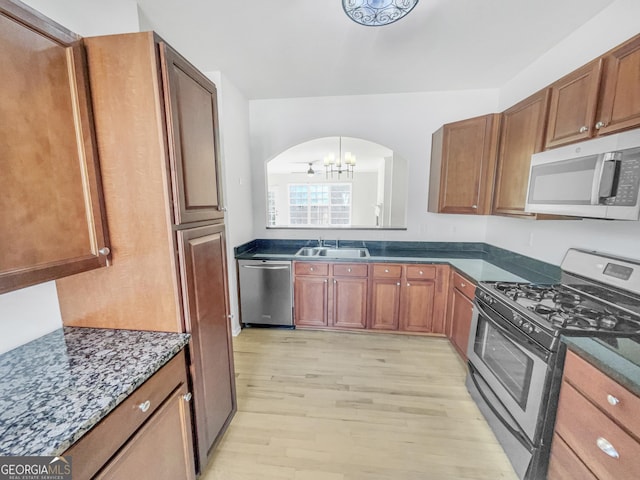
375	13
337	165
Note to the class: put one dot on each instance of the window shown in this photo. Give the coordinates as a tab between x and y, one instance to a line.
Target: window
320	204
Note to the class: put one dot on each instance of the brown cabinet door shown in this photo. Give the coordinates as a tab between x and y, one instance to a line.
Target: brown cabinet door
162	448
460	312
573	103
620	95
521	134
350	302
310	301
417	306
204	282
463	159
52	221
192	124
385	304
564	464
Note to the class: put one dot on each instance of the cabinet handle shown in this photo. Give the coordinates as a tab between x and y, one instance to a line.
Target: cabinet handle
599	125
349	270
144	406
606	447
474	207
583	129
104	251
222	209
187	397
386	270
311	269
463	285
612	400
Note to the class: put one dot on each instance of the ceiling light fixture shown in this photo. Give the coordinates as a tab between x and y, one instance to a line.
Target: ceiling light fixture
375	13
335	165
310	172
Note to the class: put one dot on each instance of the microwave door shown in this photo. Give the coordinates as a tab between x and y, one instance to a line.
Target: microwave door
567	187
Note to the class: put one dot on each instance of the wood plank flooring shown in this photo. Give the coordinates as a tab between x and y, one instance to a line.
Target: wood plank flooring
316	405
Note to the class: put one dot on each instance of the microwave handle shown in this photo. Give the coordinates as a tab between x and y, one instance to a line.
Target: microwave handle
604	178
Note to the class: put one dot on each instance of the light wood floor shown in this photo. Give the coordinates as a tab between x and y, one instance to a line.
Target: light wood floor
318	405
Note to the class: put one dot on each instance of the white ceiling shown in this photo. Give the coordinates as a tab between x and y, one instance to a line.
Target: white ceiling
296	48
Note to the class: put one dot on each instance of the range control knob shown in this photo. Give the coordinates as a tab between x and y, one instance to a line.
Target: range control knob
518	319
527	327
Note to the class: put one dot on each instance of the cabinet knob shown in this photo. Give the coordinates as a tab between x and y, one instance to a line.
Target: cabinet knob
326	281
335	281
187	397
386	270
222	209
311	269
612	400
104	251
144	406
349	270
599	125
583	129
398	284
463	284
475	207
421	272
605	445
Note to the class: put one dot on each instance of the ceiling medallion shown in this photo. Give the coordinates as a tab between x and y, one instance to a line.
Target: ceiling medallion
375	13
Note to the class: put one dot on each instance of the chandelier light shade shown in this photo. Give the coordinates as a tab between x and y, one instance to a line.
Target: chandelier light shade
375	13
338	165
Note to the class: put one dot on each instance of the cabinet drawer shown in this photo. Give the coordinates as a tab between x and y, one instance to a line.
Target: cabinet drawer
350	269
565	464
466	287
601	390
387	271
97	446
583	426
419	272
311	268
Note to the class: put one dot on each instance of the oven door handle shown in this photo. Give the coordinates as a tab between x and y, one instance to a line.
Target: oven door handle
518	340
508	422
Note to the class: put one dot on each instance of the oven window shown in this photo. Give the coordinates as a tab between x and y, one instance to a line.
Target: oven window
511	366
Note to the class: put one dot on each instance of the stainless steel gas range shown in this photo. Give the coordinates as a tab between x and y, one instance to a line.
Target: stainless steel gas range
515	355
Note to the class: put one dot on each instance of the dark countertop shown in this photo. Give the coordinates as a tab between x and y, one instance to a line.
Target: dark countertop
57	387
478	261
619	358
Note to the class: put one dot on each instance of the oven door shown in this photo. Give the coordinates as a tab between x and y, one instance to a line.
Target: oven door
512	370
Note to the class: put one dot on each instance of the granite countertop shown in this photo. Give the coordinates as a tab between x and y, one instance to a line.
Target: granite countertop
478	261
619	358
57	387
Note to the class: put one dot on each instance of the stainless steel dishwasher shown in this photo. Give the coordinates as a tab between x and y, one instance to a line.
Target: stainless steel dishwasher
266	292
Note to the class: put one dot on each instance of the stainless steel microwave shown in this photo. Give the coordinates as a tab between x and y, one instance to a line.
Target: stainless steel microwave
597	178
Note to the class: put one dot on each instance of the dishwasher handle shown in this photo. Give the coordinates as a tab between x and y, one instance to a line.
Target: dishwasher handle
267	267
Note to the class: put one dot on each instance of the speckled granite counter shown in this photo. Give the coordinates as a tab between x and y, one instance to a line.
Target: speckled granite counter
619	358
478	261
55	388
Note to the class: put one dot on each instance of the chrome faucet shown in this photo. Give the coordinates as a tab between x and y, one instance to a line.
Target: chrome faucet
320	242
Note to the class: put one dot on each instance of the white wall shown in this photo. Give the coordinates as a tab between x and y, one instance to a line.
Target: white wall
549	240
32	312
233	112
402	122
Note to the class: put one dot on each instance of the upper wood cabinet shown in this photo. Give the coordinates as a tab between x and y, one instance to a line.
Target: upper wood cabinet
600	98
573	104
51	221
619	106
521	135
192	125
463	159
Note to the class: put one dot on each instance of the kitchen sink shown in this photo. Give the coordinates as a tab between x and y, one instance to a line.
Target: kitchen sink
332	252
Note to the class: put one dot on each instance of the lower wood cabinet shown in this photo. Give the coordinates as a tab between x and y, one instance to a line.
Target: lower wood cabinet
597	427
388	297
147	437
460	311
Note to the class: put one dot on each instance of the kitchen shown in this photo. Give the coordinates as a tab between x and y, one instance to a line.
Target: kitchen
256	130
